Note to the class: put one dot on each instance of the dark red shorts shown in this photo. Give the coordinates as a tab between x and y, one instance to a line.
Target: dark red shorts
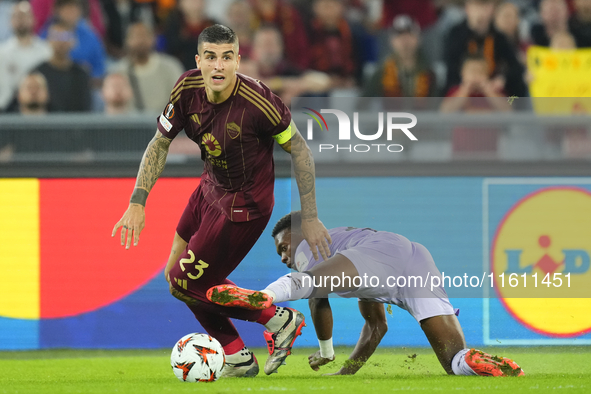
216	246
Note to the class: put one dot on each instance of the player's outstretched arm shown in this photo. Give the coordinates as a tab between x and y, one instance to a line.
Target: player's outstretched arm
303	164
322	319
153	161
371	335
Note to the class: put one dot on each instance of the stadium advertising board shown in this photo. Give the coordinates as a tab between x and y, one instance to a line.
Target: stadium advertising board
64	282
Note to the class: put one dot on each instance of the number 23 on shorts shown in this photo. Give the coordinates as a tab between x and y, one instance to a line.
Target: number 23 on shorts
199	266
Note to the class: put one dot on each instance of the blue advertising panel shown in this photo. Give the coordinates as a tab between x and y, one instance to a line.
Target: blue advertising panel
492	226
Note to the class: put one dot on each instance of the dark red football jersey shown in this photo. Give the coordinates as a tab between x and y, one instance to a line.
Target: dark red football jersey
236	141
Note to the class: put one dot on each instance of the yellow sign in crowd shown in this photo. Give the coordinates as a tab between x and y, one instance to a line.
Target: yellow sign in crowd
560	73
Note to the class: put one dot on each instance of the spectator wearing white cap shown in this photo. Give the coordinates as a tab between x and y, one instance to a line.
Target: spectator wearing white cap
404	73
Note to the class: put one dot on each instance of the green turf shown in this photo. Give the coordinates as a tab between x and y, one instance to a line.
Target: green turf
565	369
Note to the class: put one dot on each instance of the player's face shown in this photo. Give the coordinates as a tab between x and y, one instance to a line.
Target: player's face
283	245
218	64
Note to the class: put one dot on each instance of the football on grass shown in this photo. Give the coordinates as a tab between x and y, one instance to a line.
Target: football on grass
197	358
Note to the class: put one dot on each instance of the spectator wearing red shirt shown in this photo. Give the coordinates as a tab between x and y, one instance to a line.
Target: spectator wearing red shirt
476	83
276	72
183	26
337	47
289	21
422	11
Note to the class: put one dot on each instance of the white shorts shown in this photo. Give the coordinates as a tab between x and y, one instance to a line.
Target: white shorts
387	256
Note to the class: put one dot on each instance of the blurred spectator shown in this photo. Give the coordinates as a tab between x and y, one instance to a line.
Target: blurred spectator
475	83
33	96
507	21
88	48
19	54
241	19
152	75
276	72
337	45
117	94
563	41
554	19
32	100
182	30
477	36
476	93
580	23
289	21
5	11
44	10
423	11
218	9
119	15
67	82
404	73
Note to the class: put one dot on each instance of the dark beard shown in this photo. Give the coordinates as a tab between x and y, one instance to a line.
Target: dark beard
22	32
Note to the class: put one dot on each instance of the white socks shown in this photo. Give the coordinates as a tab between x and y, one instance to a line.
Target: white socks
243	355
290	287
459	365
277	321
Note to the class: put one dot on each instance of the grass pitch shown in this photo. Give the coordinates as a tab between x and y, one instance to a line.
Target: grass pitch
548	369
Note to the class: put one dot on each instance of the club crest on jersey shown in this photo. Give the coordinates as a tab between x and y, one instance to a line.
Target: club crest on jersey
233	130
301	262
212	145
169	111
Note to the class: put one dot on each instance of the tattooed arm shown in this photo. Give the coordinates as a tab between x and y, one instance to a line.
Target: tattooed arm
151	167
303	164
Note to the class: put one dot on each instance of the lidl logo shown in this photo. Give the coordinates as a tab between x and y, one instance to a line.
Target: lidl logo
543	244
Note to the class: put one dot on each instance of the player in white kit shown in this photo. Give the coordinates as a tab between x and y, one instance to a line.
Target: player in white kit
376	267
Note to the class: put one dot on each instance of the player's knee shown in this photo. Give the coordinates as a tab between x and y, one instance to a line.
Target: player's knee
382	328
379	328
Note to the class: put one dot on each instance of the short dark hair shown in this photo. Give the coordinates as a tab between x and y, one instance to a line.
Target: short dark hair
291	221
217	34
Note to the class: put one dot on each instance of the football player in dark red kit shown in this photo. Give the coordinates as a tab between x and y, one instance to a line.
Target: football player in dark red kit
235	120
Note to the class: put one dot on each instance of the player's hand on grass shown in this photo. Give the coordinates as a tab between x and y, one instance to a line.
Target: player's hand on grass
316	360
317	237
132	223
342	371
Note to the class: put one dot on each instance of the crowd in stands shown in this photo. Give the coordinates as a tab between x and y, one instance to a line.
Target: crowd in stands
124	56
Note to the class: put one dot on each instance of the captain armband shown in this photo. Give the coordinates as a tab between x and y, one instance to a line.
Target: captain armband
284	136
